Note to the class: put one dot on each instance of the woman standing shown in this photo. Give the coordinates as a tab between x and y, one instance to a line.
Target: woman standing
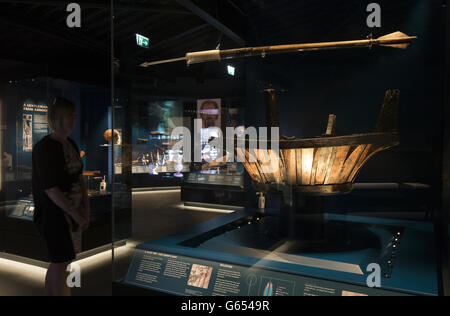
60	196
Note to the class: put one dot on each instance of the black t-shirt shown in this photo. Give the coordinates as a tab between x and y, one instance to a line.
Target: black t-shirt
49	171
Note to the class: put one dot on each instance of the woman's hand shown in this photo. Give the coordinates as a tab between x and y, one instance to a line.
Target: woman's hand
80	220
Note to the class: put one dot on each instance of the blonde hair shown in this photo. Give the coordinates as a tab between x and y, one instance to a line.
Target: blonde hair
59	107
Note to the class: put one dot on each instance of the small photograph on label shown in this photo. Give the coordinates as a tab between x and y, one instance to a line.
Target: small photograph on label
200	276
348	293
268	291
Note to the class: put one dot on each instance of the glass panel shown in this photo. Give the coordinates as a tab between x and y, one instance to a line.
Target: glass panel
52	50
445	219
332	184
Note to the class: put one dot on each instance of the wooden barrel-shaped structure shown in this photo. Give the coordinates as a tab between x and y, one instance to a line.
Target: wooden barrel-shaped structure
315	166
322	165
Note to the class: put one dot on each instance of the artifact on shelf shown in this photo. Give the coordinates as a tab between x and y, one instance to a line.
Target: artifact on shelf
102	187
108	135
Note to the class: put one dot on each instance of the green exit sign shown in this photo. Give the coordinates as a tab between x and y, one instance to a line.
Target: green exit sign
142	41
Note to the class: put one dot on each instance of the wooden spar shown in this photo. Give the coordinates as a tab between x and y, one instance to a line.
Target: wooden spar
396	40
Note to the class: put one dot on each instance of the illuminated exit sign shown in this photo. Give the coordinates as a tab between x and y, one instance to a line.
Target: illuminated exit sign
142	41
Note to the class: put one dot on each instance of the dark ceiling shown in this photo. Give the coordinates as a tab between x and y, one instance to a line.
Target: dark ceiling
35	32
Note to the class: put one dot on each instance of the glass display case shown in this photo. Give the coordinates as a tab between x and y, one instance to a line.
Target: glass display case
336	164
216	180
25	101
154	162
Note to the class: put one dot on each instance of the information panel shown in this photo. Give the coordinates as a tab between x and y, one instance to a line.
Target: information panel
179	275
216	179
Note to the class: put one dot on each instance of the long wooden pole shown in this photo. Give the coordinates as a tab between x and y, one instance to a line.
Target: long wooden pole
396	40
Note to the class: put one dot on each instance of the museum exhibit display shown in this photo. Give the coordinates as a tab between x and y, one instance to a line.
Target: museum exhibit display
340	193
263	248
252	148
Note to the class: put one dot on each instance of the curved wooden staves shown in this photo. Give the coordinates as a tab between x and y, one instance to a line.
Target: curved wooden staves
322	165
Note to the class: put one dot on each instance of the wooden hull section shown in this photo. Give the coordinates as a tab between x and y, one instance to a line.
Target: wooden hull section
318	169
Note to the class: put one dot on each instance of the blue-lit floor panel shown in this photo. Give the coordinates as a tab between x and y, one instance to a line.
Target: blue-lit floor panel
255	247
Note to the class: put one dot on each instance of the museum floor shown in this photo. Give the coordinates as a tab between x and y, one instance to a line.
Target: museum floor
165	216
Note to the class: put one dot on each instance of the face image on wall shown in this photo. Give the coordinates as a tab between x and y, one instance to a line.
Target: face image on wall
27	134
209	111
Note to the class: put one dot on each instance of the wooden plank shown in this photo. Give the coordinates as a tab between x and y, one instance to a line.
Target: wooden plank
331	127
253	172
338	164
275	164
307	164
314	166
291	166
240	155
371	152
251	156
350	163
298	159
360	157
282	163
359	163
330	165
264	163
262	174
322	167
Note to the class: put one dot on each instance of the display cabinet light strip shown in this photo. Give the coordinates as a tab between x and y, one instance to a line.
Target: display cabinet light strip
157	191
206	209
11	266
101	257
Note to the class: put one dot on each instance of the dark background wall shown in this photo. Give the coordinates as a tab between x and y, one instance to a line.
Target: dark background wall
94	113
